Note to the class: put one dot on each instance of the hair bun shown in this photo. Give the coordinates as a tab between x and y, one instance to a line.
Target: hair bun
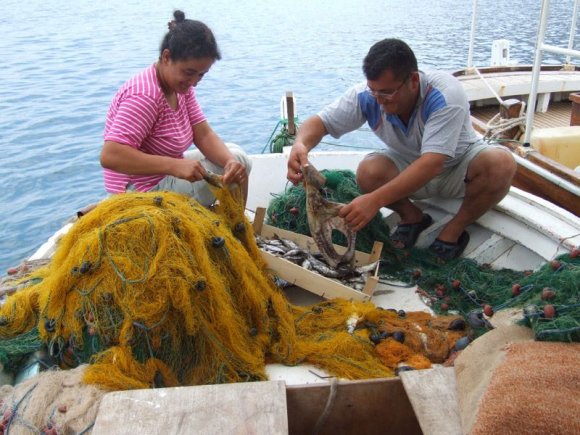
179	16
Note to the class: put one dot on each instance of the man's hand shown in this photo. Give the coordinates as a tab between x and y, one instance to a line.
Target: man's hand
298	157
234	172
360	211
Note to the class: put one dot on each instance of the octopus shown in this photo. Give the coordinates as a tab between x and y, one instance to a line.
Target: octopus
323	219
213	179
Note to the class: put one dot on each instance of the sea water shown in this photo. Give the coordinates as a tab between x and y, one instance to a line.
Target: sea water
63	62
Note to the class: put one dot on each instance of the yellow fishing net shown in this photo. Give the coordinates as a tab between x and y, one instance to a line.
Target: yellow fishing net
155	290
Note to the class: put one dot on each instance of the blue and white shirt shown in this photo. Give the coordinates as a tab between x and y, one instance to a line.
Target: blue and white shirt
440	122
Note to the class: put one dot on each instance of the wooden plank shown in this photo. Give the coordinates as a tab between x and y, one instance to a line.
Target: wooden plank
370	407
309	280
575	115
259	220
557	116
313	282
433	395
370	285
375	254
290	108
252	407
373	281
531	182
543	102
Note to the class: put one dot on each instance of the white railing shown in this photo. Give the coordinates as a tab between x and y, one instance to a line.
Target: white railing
472	35
572	29
540	48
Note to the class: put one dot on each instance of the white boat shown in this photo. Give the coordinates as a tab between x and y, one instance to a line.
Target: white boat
522	232
534	110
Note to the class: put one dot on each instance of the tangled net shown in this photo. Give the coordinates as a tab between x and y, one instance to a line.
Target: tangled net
154	290
459	286
288	210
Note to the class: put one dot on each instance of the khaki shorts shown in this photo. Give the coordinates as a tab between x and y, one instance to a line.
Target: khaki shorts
199	190
451	182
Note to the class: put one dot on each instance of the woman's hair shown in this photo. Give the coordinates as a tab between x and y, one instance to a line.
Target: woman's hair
391	54
188	39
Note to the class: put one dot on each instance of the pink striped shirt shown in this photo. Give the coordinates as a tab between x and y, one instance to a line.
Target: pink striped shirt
141	117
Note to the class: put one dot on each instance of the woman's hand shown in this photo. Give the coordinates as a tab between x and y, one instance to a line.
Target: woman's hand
187	169
234	172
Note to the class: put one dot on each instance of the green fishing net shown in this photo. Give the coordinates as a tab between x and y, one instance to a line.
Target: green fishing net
549	297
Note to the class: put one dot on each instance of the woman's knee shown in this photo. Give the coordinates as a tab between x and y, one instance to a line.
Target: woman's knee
240	155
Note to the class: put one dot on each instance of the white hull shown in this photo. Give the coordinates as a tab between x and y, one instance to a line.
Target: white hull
522	232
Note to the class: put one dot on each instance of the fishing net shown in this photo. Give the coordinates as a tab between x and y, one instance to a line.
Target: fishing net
283	139
549	296
499	373
154	290
288	210
54	402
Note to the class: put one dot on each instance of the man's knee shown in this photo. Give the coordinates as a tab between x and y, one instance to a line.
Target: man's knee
374	171
495	166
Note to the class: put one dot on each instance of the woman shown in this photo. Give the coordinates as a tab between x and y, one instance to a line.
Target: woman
155	117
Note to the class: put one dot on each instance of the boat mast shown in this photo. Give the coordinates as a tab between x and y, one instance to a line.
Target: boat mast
572	30
540	48
472	35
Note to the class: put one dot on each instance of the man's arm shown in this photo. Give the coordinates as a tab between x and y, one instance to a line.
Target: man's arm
411	179
340	117
362	209
309	135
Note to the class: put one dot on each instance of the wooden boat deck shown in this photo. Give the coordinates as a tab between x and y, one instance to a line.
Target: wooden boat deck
557	116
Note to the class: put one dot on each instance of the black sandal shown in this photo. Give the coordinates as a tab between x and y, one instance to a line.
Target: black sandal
448	251
406	235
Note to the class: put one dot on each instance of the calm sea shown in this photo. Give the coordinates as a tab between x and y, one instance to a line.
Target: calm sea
63	62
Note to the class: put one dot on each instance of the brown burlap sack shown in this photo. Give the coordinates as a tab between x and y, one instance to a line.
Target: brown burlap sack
55	401
509	384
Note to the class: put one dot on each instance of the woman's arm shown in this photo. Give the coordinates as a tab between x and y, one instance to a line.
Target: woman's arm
210	144
215	150
127	160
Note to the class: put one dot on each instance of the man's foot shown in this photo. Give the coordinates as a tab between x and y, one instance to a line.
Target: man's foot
448	251
406	235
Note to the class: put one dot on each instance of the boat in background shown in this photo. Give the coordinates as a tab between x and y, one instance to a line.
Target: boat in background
546	166
544	141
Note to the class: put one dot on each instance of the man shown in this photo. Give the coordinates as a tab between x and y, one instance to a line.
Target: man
432	149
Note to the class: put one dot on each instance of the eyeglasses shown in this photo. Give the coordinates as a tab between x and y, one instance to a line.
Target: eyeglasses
386	95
